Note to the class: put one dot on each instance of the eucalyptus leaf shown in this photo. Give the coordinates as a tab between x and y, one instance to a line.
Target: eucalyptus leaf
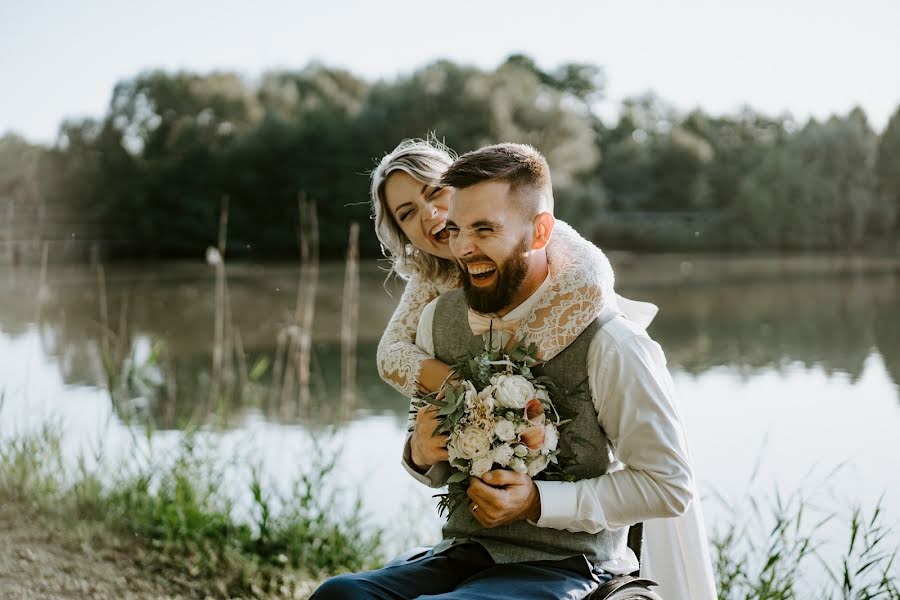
457	477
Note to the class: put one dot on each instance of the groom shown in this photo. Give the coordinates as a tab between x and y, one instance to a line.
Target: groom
545	538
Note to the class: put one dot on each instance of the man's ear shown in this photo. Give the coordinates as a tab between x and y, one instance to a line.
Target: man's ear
543	229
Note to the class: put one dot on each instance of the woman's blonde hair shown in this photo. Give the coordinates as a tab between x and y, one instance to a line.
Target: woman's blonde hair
424	160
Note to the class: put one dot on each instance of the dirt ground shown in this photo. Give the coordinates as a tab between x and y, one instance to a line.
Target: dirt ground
41	559
47	558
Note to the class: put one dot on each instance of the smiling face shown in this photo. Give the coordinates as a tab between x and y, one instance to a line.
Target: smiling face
420	210
496	247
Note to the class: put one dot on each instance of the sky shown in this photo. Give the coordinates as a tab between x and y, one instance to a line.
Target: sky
805	57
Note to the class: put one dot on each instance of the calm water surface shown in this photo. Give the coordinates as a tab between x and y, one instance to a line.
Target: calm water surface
787	372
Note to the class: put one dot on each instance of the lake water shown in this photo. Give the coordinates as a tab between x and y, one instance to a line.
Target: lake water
787	374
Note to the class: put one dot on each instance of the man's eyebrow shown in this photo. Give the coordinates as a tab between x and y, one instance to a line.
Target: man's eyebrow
485	223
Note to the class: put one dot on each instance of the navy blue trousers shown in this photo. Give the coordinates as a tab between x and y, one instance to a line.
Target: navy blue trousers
467	572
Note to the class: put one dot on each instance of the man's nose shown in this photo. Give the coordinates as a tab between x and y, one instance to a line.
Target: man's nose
462	245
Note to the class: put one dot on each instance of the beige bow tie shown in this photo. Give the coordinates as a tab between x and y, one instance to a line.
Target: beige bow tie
481	324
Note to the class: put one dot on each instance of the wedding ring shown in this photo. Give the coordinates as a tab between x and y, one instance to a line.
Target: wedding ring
474	507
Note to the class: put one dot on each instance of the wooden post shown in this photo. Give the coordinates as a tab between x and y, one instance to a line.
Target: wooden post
309	278
216	256
349	322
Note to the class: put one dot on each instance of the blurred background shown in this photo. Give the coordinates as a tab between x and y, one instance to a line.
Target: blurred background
186	243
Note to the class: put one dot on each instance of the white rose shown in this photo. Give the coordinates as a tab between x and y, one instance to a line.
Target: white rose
513	391
518	465
538	464
551	438
482	465
520	450
503	454
472	443
505	430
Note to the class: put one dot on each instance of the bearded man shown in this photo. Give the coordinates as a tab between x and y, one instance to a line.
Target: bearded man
518	537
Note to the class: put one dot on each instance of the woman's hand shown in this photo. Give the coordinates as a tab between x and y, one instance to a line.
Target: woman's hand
426	448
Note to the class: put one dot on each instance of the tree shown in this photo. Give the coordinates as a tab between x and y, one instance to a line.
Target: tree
887	165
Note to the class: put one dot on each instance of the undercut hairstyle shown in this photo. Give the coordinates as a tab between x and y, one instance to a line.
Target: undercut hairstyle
520	165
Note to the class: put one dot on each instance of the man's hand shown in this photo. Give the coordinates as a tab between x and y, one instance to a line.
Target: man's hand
502	497
427	449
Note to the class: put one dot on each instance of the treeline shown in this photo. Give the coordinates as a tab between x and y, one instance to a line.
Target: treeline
148	177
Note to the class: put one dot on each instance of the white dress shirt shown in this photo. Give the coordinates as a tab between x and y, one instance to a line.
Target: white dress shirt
633	395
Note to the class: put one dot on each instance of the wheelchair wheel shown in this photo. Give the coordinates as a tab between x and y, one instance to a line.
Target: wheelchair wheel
633	594
625	588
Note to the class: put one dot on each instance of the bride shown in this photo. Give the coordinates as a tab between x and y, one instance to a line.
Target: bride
410	211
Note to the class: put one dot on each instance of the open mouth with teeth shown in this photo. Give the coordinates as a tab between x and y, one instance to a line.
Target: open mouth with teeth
440	235
481	272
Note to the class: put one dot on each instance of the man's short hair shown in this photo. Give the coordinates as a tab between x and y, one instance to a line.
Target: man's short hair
520	165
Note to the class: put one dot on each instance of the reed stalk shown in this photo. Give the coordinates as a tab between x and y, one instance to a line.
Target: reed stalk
10	243
104	317
216	257
294	345
350	322
310	278
43	291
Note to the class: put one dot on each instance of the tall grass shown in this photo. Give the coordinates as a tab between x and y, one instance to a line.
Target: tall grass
173	517
779	550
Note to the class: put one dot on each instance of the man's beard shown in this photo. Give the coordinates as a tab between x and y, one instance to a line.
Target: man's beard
510	276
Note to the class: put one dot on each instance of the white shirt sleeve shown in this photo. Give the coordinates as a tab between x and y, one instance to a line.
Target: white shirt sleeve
634	399
424	332
436	476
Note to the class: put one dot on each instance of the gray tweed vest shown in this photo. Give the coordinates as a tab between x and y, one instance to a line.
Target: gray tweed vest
582	438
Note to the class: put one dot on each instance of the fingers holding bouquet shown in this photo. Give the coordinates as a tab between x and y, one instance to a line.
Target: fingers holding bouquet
502	496
499	419
428	447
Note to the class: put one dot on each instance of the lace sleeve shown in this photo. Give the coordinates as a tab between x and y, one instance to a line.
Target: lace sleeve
399	359
581	277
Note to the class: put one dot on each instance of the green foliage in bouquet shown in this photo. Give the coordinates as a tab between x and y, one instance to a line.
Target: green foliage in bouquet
476	373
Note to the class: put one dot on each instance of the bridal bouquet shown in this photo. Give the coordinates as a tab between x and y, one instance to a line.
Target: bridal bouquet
498	414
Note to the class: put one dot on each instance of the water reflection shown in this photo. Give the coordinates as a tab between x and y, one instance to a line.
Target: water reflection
779	368
714	313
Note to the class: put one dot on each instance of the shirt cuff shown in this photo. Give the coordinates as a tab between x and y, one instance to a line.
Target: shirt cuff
559	503
436	475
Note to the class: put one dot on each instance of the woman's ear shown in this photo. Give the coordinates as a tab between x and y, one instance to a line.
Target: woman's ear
543	229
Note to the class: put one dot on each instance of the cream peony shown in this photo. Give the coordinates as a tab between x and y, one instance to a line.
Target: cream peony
512	391
471	443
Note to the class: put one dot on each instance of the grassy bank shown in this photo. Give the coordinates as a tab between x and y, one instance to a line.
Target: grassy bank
170	517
